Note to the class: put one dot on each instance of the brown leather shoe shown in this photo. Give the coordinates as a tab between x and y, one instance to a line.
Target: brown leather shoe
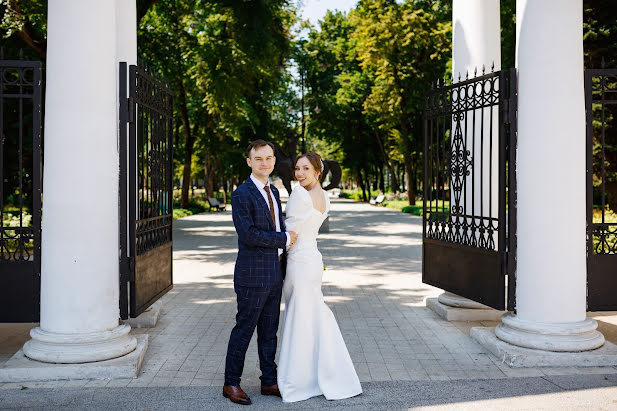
270	390
236	394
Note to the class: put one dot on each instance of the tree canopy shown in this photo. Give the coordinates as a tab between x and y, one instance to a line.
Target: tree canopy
353	86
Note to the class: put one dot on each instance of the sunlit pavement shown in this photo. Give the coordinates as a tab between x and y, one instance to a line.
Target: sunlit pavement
372	283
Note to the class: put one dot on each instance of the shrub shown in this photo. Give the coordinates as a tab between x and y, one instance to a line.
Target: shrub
412	209
181	213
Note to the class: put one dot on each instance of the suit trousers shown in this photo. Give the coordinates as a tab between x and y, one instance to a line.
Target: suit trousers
257	307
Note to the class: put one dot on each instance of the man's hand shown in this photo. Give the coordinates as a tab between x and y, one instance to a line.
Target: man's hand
293	237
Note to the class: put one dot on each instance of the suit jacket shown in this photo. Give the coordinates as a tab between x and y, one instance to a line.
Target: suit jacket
257	264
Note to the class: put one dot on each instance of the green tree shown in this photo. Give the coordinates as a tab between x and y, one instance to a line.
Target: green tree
406	47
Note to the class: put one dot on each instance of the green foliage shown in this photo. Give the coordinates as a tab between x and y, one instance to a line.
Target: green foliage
196	205
412	209
10	218
181	213
508	33
365	74
396	204
610	240
600	33
24	15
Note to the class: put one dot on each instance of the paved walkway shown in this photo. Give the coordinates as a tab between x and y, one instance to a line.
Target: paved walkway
372	283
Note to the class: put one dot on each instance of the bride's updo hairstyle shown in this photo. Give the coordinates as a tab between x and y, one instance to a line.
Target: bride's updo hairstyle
314	159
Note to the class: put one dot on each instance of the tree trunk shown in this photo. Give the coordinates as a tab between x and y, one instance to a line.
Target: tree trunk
367	183
360	183
411	195
232	183
225	188
403	119
375	177
189	142
414	174
395	186
209	175
611	195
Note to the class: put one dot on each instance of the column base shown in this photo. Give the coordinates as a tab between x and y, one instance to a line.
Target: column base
22	369
79	348
453	300
452	307
519	357
147	319
566	337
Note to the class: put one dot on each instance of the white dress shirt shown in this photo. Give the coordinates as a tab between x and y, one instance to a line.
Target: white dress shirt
260	186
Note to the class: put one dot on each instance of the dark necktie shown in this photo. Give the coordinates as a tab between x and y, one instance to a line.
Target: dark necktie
267	188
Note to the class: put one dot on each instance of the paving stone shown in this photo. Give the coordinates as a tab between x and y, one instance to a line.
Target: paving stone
372	283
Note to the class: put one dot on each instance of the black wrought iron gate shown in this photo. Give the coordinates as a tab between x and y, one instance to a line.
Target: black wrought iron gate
146	191
469	219
20	190
601	110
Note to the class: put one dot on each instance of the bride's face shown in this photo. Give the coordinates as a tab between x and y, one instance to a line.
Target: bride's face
305	172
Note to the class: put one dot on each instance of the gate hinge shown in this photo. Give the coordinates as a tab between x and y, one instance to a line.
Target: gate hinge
506	111
131	269
504	263
131	109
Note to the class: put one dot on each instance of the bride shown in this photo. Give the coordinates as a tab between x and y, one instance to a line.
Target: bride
313	359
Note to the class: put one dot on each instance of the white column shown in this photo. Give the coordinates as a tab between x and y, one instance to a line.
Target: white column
551	274
476	45
126	23
476	36
79	279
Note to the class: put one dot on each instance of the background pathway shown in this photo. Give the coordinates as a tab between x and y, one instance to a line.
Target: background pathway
372	283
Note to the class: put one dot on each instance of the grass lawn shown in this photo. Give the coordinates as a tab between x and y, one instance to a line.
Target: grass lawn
416	209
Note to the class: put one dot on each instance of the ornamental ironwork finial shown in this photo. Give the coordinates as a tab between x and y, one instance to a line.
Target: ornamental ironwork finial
493	66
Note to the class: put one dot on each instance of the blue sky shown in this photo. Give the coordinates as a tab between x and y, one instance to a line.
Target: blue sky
316	9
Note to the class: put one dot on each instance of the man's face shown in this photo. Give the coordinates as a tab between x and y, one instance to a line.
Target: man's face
262	161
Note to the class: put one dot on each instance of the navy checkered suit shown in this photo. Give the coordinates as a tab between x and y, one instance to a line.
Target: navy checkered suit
258	281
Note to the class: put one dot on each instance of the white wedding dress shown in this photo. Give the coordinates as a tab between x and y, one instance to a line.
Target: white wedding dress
313	359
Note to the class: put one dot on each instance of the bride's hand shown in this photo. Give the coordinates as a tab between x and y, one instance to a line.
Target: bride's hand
293	237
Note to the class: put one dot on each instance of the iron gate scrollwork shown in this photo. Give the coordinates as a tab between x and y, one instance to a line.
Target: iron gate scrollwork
469	218
21	189
146	191
601	112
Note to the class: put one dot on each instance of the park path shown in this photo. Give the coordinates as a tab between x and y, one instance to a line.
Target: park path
372	283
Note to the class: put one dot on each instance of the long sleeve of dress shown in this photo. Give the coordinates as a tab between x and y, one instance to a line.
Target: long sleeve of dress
298	210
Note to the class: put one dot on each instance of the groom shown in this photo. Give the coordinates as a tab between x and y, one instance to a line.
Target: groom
258	276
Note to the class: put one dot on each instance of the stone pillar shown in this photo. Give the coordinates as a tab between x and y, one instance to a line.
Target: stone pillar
551	274
126	23
476	45
476	36
79	279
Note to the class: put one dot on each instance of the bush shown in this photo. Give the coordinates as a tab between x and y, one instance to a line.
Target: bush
412	209
181	213
196	205
610	242
13	241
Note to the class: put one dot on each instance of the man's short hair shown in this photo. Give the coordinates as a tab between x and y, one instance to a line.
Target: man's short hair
256	144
